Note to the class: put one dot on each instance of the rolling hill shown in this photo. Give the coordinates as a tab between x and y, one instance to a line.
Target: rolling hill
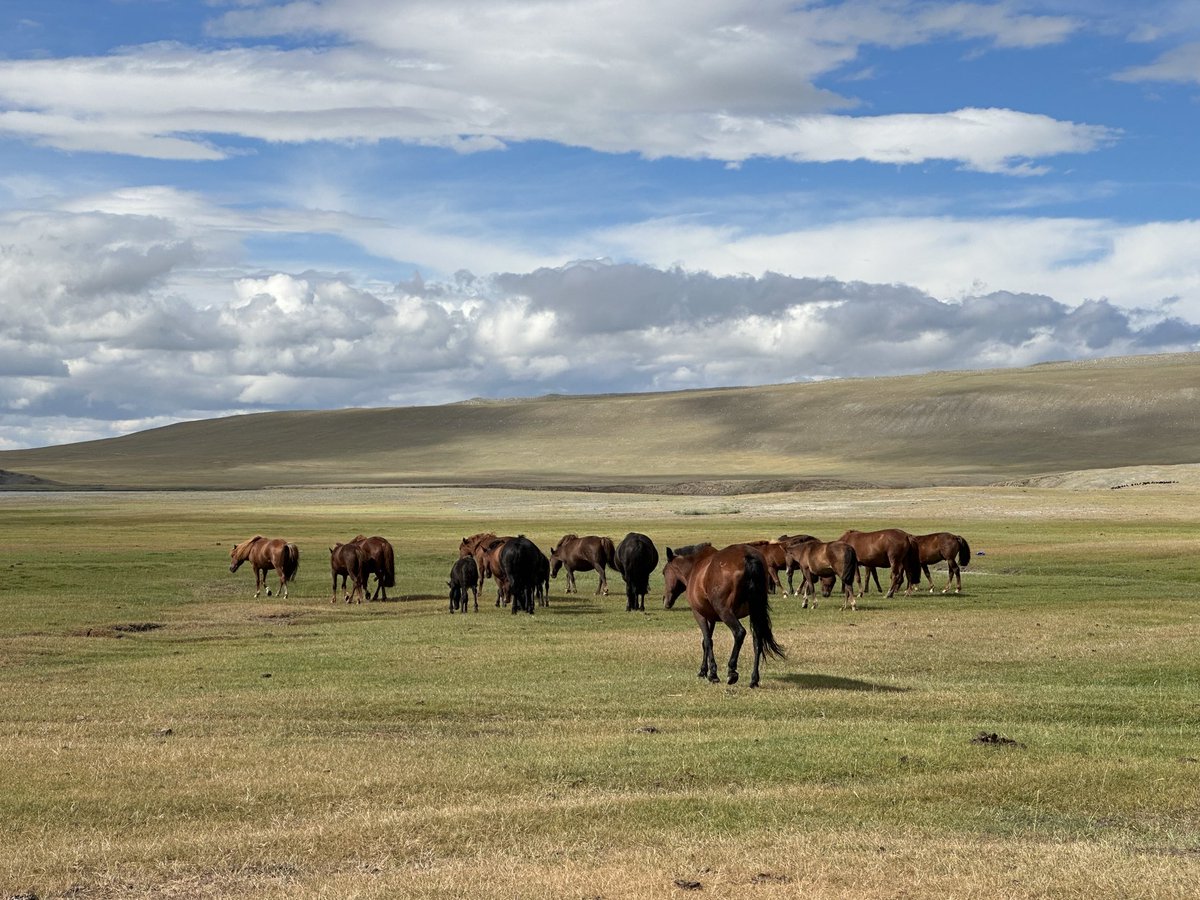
1136	414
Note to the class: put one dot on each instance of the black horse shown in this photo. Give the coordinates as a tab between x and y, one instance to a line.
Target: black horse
636	557
521	562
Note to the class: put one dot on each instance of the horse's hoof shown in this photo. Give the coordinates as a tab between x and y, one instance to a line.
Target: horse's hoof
268	592
733	677
754	682
713	679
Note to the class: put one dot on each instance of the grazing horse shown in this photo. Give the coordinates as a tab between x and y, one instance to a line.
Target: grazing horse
889	547
349	562
464	580
265	554
724	585
635	558
790	543
381	562
953	548
818	559
520	560
583	554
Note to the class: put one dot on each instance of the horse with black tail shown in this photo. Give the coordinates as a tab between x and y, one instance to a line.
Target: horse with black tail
265	554
953	548
724	586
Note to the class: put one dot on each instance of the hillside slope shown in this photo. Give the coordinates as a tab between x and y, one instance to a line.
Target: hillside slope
939	428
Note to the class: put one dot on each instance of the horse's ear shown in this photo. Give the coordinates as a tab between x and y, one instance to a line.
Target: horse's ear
670	555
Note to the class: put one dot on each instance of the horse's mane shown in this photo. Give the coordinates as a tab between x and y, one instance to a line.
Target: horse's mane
240	548
691	548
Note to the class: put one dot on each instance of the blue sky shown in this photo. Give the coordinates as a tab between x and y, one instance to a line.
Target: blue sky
217	207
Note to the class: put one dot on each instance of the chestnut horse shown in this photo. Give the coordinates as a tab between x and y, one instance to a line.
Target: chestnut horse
724	585
775	556
818	559
889	547
381	562
487	561
349	562
265	554
953	548
583	554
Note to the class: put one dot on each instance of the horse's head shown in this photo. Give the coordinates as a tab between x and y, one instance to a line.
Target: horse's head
555	563
238	553
674	578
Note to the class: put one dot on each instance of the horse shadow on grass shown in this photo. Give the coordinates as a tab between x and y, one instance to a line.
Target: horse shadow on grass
814	682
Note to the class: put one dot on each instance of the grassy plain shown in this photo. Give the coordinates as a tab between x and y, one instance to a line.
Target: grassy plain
164	735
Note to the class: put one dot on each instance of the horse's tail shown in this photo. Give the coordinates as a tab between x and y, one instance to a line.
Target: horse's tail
912	562
389	566
291	561
754	591
964	551
610	553
849	566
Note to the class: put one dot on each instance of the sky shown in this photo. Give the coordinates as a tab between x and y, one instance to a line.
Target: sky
233	206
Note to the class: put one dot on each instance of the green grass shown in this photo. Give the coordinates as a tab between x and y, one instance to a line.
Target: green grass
310	749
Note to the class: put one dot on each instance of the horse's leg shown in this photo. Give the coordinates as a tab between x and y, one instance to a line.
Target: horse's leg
571	588
758	654
925	571
791	584
476	590
848	590
708	663
952	571
739	635
260	581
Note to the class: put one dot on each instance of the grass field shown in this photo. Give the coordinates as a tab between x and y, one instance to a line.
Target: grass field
164	735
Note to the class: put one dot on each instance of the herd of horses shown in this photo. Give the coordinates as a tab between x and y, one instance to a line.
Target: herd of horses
721	585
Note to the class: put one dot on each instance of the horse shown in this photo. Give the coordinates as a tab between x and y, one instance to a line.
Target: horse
265	554
349	562
487	561
381	562
725	585
582	554
775	556
635	558
953	548
818	559
520	560
464	580
889	547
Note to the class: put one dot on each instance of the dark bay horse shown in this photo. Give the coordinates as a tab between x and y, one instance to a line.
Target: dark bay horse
821	560
349	562
888	547
583	554
724	585
381	562
464	581
953	548
265	554
636	557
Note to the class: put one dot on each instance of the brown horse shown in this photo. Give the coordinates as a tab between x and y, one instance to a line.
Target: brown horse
487	561
583	554
953	548
381	562
265	554
889	547
818	559
349	562
775	556
724	585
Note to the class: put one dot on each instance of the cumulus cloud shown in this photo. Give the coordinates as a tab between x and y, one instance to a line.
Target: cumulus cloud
110	323
703	80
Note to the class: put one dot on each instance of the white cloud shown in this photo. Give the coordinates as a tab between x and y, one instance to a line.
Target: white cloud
717	80
1180	63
